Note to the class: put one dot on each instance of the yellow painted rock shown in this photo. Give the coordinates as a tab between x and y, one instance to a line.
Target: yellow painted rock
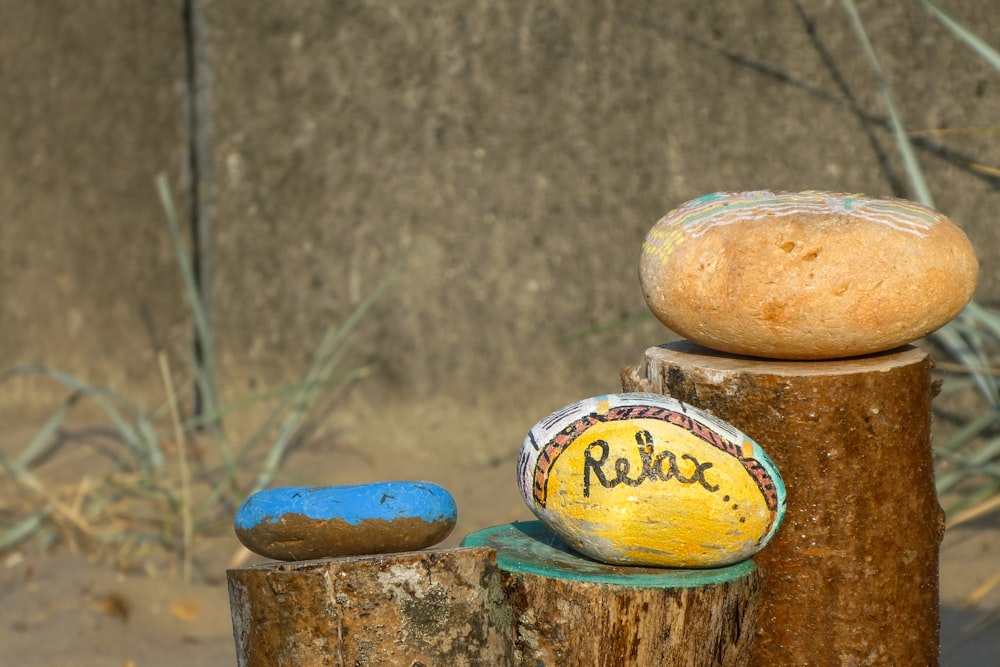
805	275
643	479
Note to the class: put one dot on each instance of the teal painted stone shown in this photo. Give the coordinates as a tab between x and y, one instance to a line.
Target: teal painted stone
302	523
529	547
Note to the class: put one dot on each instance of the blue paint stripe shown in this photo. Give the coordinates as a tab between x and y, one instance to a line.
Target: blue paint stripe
351	503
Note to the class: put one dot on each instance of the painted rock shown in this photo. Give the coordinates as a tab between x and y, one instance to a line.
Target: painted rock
806	275
300	523
643	479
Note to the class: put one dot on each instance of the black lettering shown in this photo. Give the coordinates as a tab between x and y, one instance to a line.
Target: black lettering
645	441
590	463
699	473
622	469
651	462
672	471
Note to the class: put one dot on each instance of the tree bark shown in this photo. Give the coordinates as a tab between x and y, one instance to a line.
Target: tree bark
415	609
852	576
571	611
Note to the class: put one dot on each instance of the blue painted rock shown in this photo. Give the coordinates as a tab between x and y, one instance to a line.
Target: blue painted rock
643	479
805	275
301	523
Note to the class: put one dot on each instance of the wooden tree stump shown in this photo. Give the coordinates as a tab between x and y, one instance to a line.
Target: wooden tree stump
852	576
571	611
416	609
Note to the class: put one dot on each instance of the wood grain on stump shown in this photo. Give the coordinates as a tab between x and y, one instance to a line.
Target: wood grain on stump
418	608
570	611
852	576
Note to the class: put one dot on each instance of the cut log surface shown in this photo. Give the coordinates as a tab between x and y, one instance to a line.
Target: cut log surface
422	608
571	611
852	576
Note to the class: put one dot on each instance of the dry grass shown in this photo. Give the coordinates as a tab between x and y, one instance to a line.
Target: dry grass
169	479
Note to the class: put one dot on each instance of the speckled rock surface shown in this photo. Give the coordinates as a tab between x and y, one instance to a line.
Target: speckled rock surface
806	275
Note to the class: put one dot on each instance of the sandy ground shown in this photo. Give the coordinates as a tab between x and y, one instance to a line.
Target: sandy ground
65	609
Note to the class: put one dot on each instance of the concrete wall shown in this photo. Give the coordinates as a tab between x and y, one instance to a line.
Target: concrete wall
92	108
520	149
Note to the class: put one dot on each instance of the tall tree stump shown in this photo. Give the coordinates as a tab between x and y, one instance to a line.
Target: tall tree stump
570	611
852	576
414	609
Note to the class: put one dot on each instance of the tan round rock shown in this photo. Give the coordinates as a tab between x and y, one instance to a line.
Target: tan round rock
805	275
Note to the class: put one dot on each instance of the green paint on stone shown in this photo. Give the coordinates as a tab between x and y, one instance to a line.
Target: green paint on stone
528	547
